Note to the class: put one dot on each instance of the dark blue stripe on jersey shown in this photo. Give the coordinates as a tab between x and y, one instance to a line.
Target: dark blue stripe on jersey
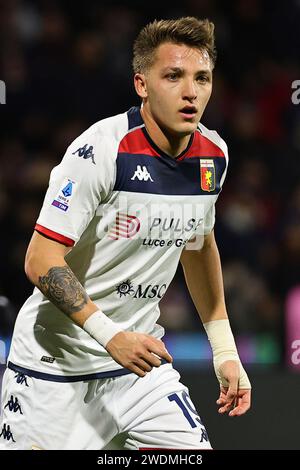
169	176
68	378
134	117
71	378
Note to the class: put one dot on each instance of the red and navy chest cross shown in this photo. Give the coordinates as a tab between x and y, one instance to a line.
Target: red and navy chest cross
144	168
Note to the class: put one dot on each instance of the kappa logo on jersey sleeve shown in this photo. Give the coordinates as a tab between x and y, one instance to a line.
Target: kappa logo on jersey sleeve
142	174
125	226
65	194
208	175
85	152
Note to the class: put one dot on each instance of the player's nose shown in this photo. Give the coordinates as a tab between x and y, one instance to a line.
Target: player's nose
189	90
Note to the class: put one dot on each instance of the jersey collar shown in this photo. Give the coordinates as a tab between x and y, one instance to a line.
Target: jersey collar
164	154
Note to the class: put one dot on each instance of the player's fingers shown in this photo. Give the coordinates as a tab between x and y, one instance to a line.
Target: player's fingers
230	397
225	408
232	390
157	346
144	365
240	410
161	352
243	403
137	370
227	401
152	359
221	400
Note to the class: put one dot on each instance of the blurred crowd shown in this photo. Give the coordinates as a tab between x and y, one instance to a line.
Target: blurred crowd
68	64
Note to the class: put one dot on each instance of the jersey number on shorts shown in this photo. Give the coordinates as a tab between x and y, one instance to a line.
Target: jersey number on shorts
185	404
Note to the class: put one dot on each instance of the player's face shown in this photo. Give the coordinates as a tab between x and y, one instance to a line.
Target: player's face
177	87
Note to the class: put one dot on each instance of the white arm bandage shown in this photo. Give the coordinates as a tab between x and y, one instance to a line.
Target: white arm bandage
224	349
101	328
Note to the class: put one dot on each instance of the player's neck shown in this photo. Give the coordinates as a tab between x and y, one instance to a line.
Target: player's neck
169	144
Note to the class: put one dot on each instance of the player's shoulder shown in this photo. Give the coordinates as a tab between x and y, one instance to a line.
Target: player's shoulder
214	137
108	131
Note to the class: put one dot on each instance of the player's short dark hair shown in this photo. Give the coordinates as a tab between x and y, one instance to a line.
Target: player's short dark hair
188	30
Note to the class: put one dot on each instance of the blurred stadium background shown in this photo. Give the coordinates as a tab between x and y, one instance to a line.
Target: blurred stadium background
67	65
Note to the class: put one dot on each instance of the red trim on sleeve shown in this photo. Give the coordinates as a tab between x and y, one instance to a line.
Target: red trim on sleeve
54	235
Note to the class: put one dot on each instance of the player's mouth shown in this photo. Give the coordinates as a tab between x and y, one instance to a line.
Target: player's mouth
188	112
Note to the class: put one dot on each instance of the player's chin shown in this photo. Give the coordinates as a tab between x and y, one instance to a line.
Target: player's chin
186	128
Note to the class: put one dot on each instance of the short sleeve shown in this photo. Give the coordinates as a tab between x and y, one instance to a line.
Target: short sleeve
77	186
209	220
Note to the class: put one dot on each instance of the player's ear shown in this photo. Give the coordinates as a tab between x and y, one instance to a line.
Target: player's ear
140	85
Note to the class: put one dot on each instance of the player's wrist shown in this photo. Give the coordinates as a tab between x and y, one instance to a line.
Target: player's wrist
101	328
224	349
221	339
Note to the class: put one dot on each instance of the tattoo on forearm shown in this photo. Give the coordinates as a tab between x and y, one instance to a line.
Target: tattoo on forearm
63	289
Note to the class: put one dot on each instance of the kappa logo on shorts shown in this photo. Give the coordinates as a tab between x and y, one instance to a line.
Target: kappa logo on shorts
21	378
6	433
14	405
204	436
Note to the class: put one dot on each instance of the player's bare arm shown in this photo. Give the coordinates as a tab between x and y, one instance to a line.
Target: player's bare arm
46	268
63	289
203	274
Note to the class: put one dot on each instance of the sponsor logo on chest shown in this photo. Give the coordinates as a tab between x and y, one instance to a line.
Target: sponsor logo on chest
142	174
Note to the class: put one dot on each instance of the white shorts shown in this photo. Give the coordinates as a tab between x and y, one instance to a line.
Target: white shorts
154	412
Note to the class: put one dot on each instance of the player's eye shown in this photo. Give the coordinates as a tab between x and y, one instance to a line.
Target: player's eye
203	78
172	76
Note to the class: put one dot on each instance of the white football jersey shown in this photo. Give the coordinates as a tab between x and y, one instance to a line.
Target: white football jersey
128	210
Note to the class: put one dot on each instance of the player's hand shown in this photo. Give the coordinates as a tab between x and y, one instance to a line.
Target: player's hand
137	352
233	400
